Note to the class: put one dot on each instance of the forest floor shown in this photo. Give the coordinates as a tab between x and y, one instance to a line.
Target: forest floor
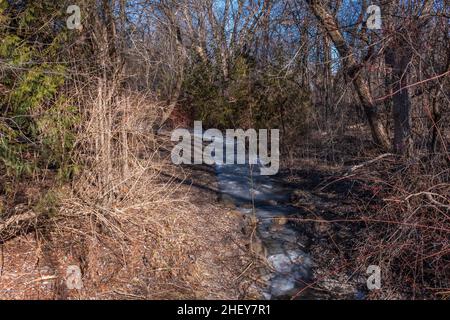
326	206
195	251
332	205
188	244
177	242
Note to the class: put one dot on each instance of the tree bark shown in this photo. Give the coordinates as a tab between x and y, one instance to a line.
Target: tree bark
398	55
401	108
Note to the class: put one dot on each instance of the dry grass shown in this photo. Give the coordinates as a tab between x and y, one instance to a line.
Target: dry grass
137	230
409	235
150	243
394	213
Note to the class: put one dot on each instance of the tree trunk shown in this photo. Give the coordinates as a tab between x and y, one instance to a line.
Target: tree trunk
352	69
397	56
401	109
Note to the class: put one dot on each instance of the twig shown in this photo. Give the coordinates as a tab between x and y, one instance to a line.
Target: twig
359	166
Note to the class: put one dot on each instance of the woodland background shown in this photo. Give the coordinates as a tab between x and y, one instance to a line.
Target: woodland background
81	111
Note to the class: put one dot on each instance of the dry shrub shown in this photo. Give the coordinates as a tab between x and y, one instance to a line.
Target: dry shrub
132	228
121	243
154	243
407	232
393	212
120	204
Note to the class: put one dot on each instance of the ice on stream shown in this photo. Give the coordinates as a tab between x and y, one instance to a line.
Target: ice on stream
291	266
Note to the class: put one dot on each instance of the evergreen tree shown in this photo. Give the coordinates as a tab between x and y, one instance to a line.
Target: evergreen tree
36	118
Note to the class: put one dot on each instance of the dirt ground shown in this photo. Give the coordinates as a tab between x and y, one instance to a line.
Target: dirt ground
346	215
185	246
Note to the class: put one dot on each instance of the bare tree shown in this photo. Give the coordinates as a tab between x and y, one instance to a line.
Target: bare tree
353	69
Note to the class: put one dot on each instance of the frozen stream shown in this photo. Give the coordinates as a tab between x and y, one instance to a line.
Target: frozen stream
266	197
290	263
